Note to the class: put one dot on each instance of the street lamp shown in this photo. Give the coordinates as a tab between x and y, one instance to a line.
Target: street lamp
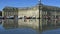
40	7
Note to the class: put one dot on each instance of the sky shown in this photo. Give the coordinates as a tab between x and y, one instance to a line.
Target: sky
27	3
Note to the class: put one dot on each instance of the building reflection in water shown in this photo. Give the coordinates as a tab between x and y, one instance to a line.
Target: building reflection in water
30	23
27	23
0	21
20	23
10	24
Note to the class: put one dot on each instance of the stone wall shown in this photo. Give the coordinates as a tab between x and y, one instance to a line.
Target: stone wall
28	12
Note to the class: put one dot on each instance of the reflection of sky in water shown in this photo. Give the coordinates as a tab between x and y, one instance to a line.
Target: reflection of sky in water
1	27
18	31
55	31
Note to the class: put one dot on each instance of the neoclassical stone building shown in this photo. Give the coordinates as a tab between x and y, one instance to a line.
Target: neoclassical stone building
44	12
21	12
9	11
32	11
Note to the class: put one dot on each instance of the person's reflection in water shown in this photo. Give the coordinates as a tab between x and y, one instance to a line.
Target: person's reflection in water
0	21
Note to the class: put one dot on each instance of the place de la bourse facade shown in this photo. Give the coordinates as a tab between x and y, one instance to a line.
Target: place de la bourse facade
47	13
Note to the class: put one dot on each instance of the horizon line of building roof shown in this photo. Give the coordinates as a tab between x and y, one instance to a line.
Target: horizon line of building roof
43	5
